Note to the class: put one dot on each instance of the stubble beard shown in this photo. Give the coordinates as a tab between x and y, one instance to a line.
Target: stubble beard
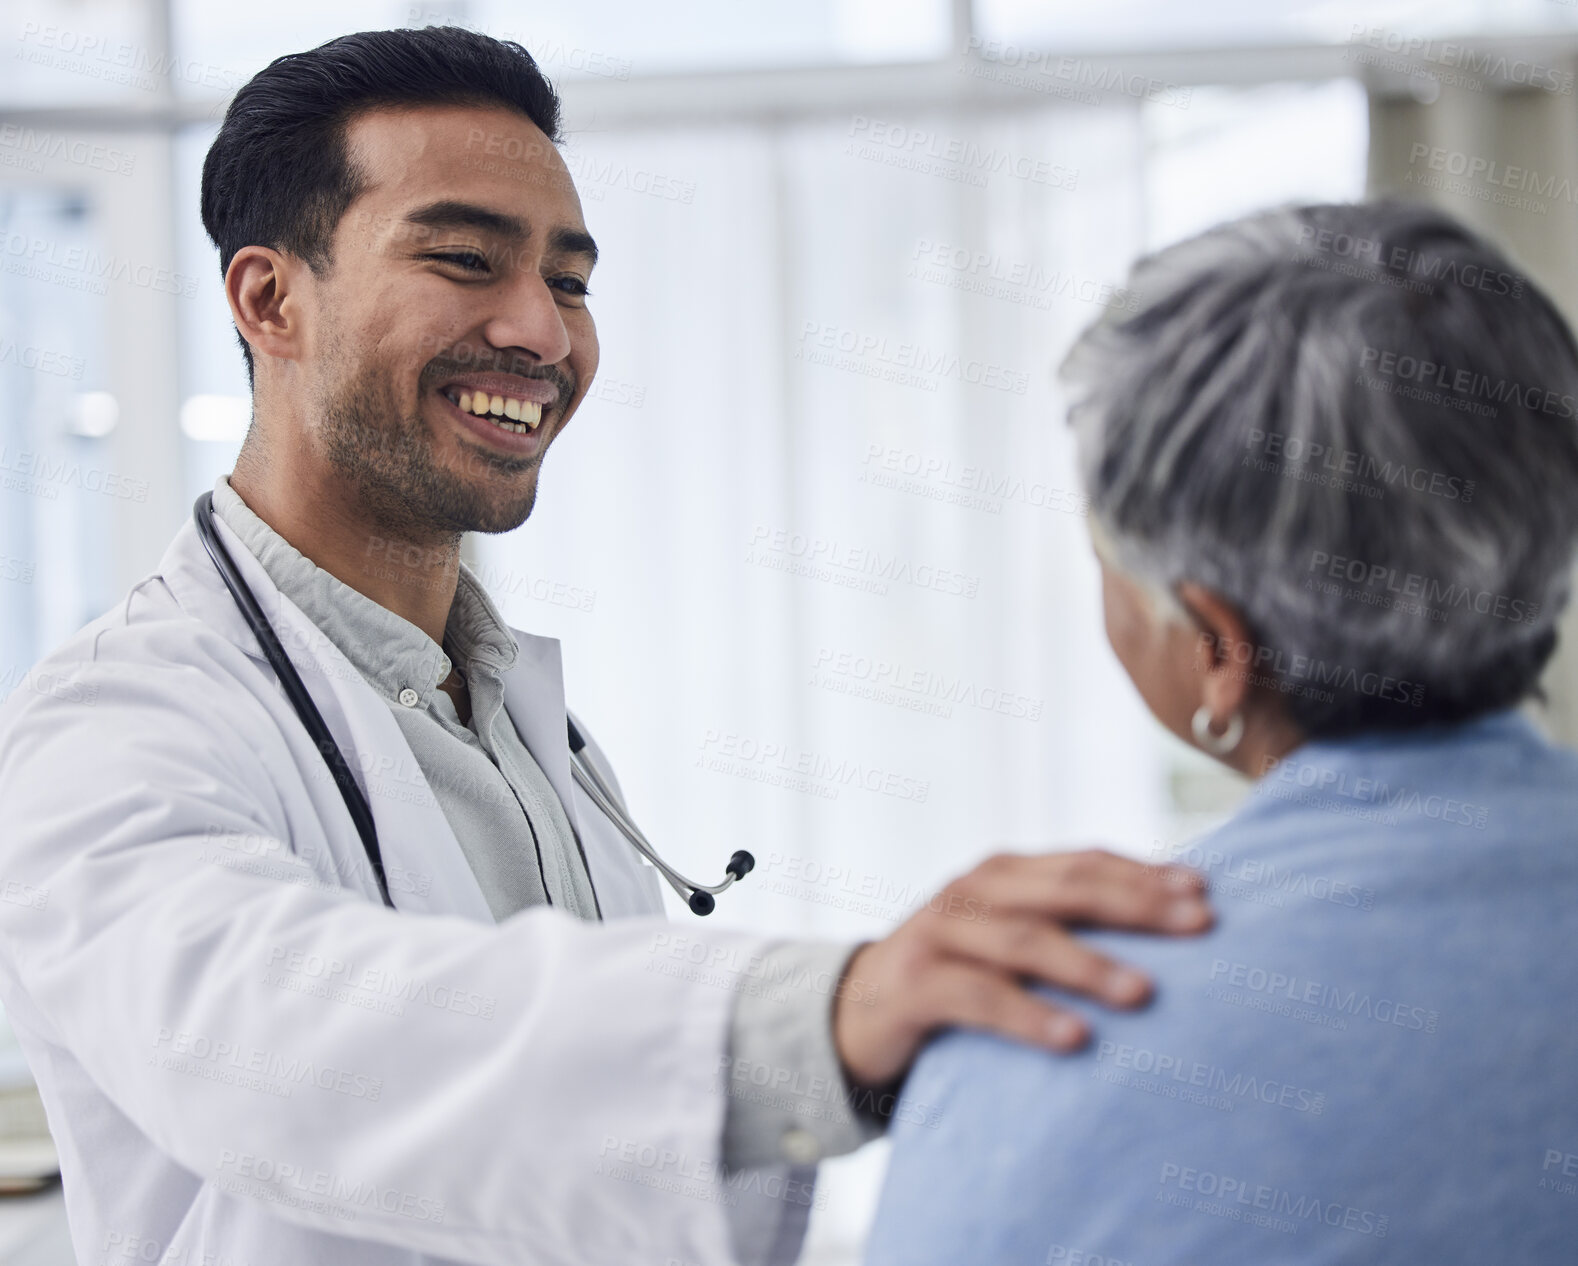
387	458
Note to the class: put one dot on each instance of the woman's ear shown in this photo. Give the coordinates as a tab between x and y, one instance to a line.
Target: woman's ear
1224	651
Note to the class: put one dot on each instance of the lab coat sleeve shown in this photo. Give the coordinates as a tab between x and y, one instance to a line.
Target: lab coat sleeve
538	1093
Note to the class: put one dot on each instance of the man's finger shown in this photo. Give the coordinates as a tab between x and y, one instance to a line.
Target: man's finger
1091	886
981	999
1025	945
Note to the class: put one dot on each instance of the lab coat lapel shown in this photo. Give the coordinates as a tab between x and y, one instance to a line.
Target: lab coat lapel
534	698
427	870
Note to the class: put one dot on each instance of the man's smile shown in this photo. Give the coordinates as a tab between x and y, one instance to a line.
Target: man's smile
511	401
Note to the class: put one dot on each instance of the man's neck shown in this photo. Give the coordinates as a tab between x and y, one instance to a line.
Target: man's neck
415	580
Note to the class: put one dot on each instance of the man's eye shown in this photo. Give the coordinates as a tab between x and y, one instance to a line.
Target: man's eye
571	286
469	260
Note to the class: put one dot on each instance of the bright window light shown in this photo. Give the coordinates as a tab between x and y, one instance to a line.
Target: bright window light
93	414
221	419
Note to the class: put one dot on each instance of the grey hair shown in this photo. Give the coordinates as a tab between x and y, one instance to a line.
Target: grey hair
1356	424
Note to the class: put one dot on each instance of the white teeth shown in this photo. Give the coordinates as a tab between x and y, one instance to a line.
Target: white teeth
512	414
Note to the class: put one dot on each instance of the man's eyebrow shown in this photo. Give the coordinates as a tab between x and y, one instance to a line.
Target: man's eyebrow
452	214
572	242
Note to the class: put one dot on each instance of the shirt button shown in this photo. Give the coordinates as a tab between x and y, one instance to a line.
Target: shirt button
800	1147
410	697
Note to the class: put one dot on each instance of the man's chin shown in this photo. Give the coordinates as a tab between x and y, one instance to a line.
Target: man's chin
503	512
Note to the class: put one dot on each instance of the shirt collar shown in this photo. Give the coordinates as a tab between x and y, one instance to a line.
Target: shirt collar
387	649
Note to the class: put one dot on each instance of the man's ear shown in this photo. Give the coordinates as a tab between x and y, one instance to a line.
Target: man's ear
1224	651
262	287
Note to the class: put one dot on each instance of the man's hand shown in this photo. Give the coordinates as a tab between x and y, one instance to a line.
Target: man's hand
962	960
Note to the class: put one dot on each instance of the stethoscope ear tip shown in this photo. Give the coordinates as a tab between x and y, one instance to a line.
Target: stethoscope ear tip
702	903
740	865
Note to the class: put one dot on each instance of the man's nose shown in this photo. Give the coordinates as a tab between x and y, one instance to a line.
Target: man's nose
530	318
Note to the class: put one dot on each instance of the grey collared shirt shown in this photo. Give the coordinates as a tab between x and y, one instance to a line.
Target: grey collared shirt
495	797
519	843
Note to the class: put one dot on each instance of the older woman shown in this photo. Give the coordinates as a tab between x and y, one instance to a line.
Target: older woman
1333	470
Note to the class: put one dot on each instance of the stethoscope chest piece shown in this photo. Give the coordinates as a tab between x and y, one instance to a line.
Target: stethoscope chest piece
701	898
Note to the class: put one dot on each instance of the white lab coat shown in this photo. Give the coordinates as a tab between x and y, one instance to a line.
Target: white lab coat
246	1060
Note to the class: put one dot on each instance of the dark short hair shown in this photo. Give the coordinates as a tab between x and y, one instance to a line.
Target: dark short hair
278	174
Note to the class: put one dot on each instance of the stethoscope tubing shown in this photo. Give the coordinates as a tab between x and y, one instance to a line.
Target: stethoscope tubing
700	897
306	709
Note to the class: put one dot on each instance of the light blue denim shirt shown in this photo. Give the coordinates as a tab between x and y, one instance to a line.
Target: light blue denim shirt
1371	1058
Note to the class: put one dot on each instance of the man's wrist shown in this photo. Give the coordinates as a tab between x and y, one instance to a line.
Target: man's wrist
790	1098
853	991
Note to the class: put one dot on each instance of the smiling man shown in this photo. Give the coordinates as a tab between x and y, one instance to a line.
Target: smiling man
245	1054
425	362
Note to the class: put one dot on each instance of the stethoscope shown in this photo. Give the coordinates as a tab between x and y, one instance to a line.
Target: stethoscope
700	897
